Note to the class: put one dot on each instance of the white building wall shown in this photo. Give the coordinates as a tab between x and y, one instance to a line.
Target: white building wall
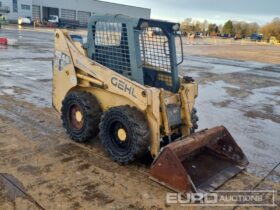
7	3
94	6
24	12
20	12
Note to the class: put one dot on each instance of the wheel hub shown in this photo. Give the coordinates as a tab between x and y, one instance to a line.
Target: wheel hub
76	117
122	134
79	116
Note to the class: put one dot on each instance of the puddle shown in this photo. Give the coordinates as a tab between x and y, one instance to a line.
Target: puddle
7	91
225	66
257	135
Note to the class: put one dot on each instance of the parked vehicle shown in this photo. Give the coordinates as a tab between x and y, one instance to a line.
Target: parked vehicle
63	23
256	37
226	36
53	19
24	21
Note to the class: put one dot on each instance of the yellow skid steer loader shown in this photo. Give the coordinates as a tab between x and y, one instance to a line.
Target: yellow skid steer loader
123	83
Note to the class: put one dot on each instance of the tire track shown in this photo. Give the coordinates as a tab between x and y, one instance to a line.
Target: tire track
26	121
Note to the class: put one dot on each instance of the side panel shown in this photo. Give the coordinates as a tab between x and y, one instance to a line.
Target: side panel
188	93
64	75
136	65
153	116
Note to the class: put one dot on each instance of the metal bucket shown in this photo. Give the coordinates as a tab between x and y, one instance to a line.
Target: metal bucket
199	163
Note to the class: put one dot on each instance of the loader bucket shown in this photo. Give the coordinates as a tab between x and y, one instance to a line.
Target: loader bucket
199	163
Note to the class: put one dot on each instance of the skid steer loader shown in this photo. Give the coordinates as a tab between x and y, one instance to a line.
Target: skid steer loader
123	83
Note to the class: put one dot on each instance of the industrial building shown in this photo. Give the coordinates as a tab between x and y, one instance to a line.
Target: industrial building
79	10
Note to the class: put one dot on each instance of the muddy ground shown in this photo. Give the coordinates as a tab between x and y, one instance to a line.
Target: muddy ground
40	168
244	50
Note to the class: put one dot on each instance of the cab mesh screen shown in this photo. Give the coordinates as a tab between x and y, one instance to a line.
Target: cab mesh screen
155	56
111	46
154	49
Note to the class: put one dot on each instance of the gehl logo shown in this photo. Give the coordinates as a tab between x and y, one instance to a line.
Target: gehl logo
123	86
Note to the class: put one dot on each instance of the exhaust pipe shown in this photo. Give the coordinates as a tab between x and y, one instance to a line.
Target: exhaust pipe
199	163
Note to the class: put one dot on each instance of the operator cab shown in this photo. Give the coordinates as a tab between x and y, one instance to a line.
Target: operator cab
143	50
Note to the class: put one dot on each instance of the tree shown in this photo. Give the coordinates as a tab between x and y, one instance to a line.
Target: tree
192	26
228	28
186	26
271	29
205	27
244	29
213	28
197	26
237	28
253	28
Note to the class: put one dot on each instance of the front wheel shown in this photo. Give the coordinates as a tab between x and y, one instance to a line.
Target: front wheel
124	133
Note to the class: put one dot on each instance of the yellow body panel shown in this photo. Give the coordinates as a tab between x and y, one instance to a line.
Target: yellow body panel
73	70
63	70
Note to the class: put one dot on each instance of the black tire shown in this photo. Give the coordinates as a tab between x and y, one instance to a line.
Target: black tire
136	140
194	120
90	111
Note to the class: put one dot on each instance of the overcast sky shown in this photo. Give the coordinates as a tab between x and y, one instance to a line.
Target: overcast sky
218	11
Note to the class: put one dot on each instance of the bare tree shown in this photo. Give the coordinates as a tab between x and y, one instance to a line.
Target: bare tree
192	26
237	28
186	26
272	29
244	29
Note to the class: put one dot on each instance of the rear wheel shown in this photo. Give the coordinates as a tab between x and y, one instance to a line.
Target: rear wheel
80	114
124	133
